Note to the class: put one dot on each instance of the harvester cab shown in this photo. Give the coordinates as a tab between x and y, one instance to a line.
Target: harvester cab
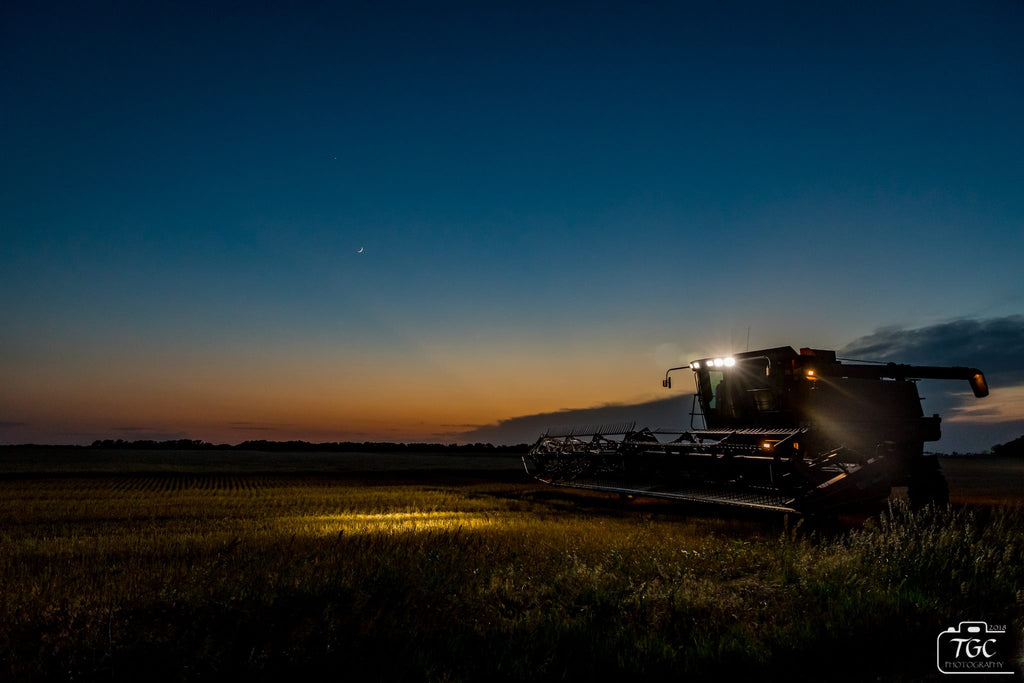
775	429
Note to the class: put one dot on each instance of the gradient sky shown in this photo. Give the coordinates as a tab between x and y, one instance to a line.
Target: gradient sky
555	202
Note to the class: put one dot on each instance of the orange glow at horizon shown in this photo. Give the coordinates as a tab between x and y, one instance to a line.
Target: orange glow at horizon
436	390
317	395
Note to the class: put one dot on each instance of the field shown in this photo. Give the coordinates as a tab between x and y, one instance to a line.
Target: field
121	566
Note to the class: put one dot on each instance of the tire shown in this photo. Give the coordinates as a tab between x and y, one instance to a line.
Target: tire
928	485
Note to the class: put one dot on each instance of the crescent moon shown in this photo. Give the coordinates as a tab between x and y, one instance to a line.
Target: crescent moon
360	250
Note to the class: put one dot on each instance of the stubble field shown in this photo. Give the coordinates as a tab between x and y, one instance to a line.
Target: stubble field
448	570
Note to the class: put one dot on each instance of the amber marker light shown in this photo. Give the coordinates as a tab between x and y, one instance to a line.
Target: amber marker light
979	385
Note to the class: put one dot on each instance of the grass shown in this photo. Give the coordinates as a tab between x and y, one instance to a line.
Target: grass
195	577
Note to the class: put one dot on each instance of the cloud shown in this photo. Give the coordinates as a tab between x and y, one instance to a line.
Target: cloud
996	345
1008	407
246	426
457	436
668	413
141	433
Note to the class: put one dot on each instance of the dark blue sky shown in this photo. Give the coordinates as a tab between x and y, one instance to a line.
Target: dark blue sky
555	200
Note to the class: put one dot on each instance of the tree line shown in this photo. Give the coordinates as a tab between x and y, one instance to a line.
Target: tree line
306	446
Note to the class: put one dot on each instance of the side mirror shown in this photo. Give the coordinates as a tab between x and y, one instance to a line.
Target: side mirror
667	382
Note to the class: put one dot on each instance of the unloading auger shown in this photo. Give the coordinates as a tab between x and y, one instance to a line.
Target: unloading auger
772	429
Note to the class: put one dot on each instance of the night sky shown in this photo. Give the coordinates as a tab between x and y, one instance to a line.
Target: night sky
553	201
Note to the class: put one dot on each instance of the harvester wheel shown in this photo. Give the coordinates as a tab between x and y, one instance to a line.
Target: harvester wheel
927	484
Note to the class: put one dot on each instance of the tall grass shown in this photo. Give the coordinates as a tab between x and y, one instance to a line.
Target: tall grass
114	579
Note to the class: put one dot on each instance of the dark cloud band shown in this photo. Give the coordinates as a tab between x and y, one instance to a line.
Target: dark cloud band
996	345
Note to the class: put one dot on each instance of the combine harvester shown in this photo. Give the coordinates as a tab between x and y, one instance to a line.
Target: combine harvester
795	432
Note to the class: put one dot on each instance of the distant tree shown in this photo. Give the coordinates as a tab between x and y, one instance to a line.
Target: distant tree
1013	448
